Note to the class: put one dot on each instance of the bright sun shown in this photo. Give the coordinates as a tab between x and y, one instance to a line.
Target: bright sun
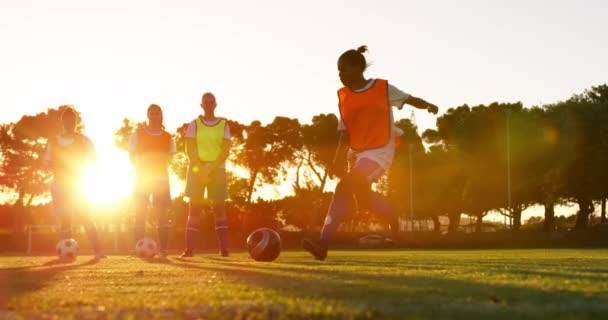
111	178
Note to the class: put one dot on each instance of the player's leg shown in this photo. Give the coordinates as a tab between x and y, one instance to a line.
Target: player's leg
366	198
140	200
194	191
62	211
356	182
161	202
218	193
91	230
89	226
342	202
194	212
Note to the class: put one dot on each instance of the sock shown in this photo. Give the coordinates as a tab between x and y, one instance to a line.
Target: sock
192	225
341	203
221	225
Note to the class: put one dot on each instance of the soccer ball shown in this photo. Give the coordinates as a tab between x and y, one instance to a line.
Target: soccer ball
146	248
67	249
264	244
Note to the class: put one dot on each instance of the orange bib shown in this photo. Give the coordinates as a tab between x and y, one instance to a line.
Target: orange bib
152	153
366	115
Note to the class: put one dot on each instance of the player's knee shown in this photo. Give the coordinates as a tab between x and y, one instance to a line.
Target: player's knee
353	182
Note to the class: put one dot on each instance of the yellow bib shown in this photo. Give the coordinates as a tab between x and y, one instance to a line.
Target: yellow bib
209	139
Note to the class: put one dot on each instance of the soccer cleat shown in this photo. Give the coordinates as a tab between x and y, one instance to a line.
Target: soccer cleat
187	254
224	253
315	248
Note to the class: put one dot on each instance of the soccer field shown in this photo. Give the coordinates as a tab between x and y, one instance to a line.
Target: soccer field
476	284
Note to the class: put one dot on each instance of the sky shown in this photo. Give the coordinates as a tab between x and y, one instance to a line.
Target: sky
111	59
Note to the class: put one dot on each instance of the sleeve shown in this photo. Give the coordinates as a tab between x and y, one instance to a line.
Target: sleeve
132	143
227	131
191	130
397	97
172	147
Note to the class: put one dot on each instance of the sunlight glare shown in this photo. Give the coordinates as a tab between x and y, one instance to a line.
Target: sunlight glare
110	180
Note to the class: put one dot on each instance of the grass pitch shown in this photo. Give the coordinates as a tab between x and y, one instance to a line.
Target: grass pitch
488	284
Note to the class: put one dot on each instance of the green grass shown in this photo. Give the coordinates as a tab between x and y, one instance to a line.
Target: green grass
488	284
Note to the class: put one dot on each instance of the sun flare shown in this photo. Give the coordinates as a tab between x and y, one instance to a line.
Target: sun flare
110	180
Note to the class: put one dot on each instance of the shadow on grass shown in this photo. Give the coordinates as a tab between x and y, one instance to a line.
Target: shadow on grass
22	280
398	295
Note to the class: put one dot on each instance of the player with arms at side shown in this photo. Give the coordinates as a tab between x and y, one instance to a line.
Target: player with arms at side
68	156
208	147
150	149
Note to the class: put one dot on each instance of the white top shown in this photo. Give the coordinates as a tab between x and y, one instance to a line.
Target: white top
133	141
156	176
383	155
191	130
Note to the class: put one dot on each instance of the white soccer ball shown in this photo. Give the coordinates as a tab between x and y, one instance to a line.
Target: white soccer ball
146	248
67	249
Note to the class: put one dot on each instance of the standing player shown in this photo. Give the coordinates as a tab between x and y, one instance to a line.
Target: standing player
68	155
366	119
208	147
150	149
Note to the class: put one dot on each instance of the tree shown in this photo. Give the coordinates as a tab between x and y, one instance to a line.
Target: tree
266	150
398	180
320	142
475	137
582	120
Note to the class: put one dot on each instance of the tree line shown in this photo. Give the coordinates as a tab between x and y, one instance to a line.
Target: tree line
500	157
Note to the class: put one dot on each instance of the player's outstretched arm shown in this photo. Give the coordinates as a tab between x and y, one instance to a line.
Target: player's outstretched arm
422	104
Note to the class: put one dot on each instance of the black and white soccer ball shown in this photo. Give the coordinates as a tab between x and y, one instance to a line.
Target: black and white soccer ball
67	249
264	244
146	248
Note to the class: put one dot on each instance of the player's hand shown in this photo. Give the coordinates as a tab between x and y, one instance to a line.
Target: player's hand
431	108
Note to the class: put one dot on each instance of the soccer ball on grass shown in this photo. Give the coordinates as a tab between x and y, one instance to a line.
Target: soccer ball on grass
67	249
264	244
146	248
